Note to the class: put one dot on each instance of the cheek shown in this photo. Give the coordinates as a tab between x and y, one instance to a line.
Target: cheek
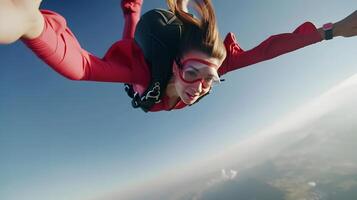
204	91
180	86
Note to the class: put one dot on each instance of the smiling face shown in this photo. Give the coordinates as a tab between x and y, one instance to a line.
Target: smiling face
194	75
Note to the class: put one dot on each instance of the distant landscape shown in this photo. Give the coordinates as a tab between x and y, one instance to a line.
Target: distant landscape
310	155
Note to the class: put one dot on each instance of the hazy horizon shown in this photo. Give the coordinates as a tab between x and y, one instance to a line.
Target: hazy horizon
317	130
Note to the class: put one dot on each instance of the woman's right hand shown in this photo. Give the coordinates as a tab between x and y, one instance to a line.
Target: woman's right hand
20	18
347	27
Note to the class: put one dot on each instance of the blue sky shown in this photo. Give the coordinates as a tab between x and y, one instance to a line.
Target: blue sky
62	139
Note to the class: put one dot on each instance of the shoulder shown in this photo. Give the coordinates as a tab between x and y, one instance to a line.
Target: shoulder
233	49
231	43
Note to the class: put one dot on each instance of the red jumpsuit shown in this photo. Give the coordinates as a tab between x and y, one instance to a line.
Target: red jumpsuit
124	62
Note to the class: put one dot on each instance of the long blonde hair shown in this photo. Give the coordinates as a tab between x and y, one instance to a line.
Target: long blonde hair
203	34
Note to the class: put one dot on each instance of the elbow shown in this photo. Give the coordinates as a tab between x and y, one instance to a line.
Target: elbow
276	46
269	51
76	77
75	71
73	76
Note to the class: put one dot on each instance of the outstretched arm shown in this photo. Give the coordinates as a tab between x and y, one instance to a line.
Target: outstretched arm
60	49
276	45
272	47
19	18
46	33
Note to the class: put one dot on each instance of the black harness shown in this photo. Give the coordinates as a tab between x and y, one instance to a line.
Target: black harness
158	34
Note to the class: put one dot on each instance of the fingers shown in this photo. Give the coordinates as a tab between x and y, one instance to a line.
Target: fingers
131	6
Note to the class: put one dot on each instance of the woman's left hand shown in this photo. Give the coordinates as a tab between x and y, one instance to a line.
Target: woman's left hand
347	27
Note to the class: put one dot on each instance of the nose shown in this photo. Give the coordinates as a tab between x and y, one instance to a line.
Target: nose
198	87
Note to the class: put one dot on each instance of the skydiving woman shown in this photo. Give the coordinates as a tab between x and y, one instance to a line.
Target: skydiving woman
168	59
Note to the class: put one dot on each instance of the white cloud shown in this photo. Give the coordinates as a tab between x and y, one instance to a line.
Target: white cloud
225	175
230	174
233	174
312	184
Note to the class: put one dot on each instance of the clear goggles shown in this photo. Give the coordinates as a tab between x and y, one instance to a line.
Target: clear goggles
195	70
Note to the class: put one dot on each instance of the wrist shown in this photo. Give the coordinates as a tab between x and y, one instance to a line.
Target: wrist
328	29
336	30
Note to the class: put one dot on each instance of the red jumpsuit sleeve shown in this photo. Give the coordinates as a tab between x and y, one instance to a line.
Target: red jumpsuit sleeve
59	48
276	45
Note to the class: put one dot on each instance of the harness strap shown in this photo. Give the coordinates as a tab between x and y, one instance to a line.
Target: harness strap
158	34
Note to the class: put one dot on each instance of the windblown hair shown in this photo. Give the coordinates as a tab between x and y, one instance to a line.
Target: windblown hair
202	33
